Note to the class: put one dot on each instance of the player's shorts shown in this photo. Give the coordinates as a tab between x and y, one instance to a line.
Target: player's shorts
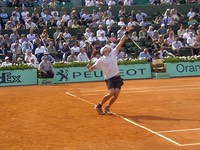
114	82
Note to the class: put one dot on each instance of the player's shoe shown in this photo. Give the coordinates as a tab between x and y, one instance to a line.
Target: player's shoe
107	110
99	110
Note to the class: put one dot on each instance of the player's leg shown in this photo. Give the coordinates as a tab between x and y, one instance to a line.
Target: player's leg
98	107
112	100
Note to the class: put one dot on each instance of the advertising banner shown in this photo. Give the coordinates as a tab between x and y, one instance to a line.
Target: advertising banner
80	74
18	77
183	69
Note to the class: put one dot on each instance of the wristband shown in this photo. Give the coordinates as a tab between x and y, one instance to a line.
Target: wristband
126	33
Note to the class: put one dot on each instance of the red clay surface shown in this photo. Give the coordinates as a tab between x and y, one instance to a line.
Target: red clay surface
48	118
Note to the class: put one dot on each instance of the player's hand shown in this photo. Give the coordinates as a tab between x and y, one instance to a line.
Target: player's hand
88	66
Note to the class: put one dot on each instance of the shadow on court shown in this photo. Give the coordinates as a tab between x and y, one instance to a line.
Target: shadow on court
149	117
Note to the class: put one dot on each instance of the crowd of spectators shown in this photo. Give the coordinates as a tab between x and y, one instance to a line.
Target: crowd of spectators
32	47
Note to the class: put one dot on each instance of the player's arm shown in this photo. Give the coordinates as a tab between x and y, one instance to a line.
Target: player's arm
91	68
121	42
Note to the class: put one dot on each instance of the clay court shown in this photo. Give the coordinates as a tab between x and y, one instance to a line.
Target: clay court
150	114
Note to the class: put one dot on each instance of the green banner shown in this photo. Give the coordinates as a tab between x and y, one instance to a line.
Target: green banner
80	74
183	69
18	77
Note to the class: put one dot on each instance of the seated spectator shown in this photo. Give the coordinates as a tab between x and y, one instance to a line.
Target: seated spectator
102	40
162	30
3	51
122	55
144	23
100	31
16	51
134	36
35	15
88	49
110	22
108	31
31	35
67	35
180	31
49	57
75	49
113	38
143	34
150	31
191	13
111	3
39	51
144	55
32	63
161	39
121	22
82	56
87	33
196	46
192	21
9	25
176	46
127	2
92	39
162	53
72	58
26	48
52	49
28	56
82	41
155	46
140	16
122	12
46	68
90	3
170	39
6	62
191	38
121	32
65	51
174	16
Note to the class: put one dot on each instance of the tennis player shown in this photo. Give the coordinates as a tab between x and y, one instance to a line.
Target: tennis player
108	64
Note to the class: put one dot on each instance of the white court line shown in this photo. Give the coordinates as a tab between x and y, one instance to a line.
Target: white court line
192	144
182	130
132	122
143	91
152	87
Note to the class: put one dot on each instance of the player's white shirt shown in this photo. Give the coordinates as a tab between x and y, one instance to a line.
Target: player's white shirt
108	64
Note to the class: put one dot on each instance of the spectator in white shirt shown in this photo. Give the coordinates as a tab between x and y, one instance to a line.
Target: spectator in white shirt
111	2
191	13
90	3
82	56
100	31
191	39
176	46
110	22
127	3
6	62
140	16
